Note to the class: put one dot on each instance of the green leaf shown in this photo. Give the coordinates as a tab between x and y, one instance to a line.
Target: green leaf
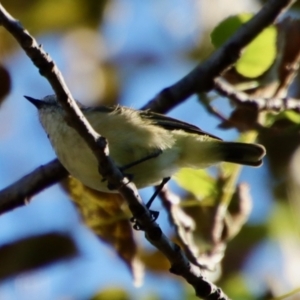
112	293
197	182
280	223
258	56
236	286
224	30
292	116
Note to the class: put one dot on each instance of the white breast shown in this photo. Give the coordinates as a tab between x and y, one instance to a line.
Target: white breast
129	139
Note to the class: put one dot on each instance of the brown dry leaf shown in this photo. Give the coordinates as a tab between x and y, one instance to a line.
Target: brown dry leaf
5	83
193	220
193	228
155	261
34	252
38	15
238	212
104	214
243	118
289	31
47	16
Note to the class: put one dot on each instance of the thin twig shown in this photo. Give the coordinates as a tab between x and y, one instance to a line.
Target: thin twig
206	103
262	104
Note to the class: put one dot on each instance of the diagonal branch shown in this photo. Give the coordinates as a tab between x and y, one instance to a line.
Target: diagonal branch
179	263
201	78
49	70
74	116
76	119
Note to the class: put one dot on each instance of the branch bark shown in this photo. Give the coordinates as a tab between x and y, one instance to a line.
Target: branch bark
179	263
20	192
201	78
240	98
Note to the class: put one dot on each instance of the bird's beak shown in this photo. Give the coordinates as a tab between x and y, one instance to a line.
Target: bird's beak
37	103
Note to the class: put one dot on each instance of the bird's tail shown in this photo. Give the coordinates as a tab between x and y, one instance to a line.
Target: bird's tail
241	153
199	153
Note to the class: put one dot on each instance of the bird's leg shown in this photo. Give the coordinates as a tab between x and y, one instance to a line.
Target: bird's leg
157	191
139	161
154	213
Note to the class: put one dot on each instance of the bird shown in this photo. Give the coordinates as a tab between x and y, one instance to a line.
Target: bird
148	145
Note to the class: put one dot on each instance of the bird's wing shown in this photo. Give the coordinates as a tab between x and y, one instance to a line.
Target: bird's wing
159	120
173	124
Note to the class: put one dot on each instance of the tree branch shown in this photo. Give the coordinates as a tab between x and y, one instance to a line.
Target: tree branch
74	116
201	78
175	94
239	98
179	263
49	70
20	192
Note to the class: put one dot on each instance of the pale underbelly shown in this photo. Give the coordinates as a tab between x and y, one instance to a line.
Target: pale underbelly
148	173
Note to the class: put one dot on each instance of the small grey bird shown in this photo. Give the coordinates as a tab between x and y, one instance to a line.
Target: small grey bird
163	144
